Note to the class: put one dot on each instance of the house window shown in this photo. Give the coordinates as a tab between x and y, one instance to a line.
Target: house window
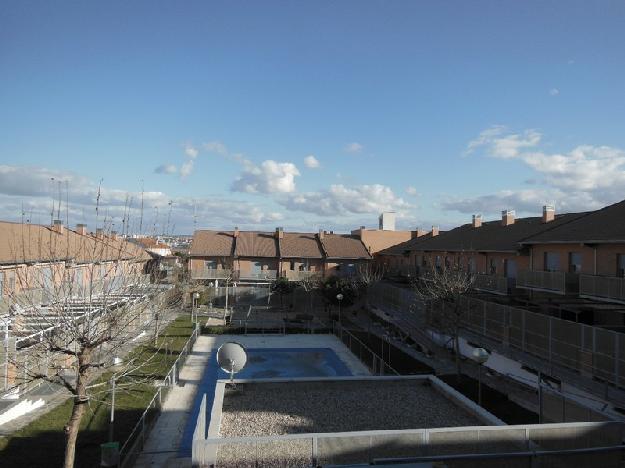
575	262
471	265
492	270
551	261
210	264
291	265
620	265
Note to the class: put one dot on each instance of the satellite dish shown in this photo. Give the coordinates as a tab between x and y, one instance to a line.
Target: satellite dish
232	358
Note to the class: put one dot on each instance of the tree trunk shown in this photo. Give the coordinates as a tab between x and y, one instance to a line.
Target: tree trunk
71	431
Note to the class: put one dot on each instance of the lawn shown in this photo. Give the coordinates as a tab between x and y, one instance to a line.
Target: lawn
41	443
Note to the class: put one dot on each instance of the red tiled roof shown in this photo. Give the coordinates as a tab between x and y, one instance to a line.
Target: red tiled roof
207	243
256	244
344	246
300	245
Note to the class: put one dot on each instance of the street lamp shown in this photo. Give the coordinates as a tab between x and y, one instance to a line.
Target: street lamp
480	355
196	296
339	297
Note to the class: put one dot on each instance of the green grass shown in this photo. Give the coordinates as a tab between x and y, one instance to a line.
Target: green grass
41	443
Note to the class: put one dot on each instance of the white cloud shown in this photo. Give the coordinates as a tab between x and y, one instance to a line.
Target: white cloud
191	151
216	147
411	191
502	144
166	169
187	168
29	189
340	200
311	162
353	148
269	177
554	91
586	177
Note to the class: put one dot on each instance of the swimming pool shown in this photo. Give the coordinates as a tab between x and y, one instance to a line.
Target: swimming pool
263	363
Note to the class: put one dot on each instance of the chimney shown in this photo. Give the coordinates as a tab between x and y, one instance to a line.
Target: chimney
57	226
435	231
549	213
507	217
99	233
477	220
279	233
114	235
81	229
418	233
321	233
236	232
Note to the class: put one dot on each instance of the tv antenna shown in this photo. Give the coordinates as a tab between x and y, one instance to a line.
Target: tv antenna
231	357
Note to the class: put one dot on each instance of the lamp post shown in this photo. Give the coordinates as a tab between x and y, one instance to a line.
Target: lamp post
480	355
339	297
196	296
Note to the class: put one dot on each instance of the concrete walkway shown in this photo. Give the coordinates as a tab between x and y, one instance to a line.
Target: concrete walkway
161	449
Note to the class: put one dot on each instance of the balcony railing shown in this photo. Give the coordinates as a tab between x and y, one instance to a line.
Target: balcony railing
603	287
296	275
492	283
258	275
553	281
210	273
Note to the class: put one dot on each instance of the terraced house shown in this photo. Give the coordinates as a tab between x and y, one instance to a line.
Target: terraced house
552	287
40	263
253	256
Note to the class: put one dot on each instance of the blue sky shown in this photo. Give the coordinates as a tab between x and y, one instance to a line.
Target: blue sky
434	109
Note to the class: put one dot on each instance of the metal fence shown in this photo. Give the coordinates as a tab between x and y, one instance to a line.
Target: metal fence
548	445
135	442
492	283
605	287
554	281
376	364
591	351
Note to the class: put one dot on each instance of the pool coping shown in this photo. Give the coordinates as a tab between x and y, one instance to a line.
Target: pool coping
212	432
443	389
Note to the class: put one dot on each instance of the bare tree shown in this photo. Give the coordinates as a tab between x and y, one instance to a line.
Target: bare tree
442	290
77	312
367	276
310	283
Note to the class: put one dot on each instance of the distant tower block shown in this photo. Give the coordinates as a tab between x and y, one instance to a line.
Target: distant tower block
387	221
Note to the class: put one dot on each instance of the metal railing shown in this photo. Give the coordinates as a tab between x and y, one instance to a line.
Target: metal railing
298	275
586	445
135	442
603	287
591	351
491	283
258	275
553	281
376	364
211	273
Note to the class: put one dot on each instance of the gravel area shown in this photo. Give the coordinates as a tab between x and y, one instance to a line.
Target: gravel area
262	409
303	407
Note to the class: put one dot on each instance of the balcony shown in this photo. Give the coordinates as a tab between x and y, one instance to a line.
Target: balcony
493	283
211	273
293	275
558	282
263	275
608	288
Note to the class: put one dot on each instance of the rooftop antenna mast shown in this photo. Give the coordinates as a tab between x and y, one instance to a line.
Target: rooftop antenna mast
58	209
171	204
141	216
194	215
52	196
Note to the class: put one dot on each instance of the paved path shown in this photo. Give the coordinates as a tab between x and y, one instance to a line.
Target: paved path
161	449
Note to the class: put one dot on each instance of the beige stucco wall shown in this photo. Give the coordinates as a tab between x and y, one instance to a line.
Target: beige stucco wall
606	256
375	240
